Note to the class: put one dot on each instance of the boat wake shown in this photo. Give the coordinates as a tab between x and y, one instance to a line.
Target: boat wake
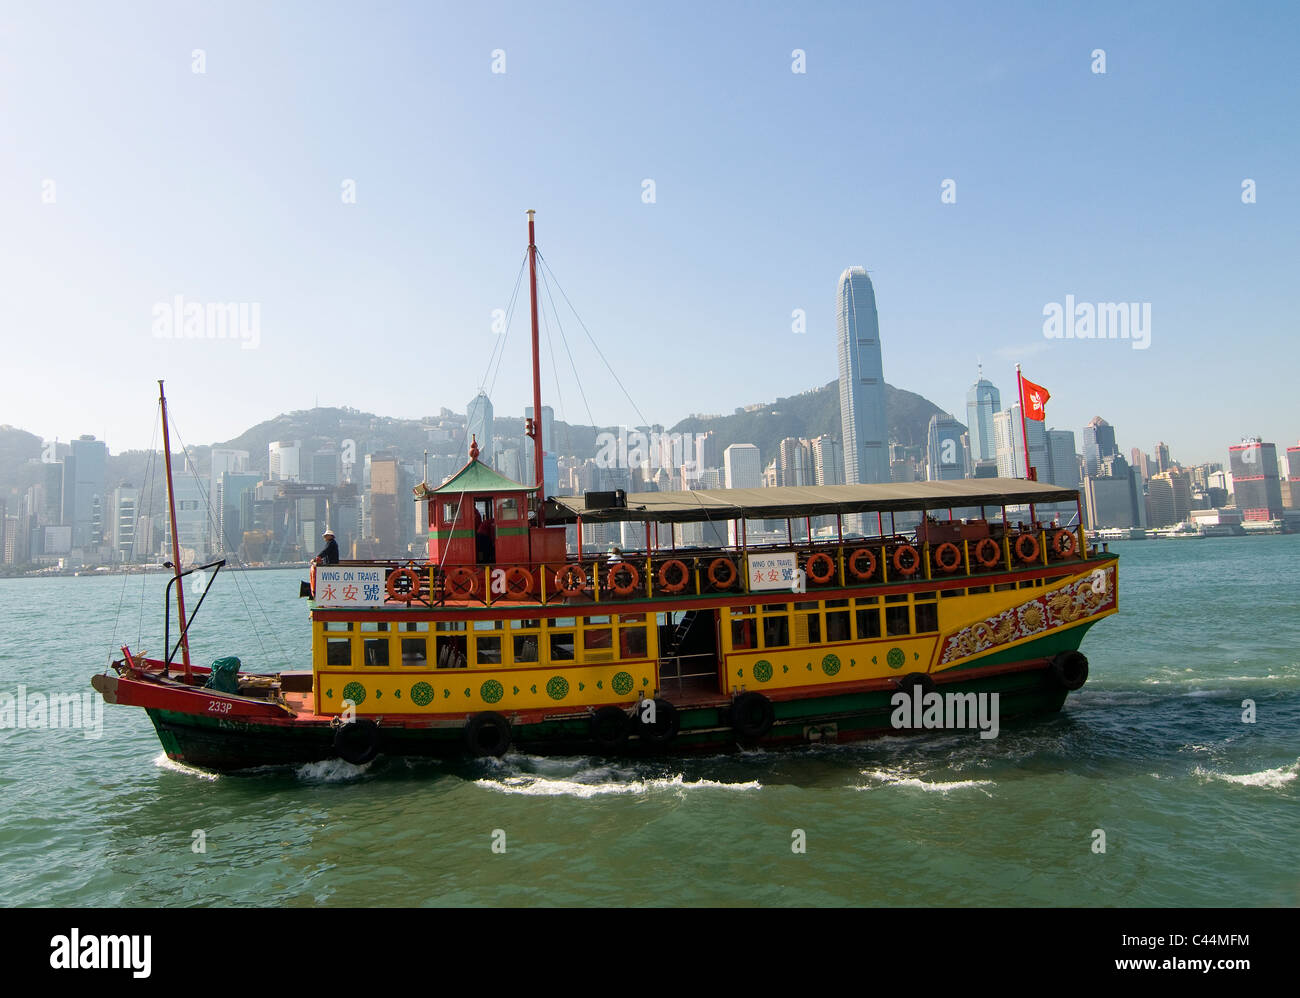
888	778
596	783
330	771
162	762
1272	779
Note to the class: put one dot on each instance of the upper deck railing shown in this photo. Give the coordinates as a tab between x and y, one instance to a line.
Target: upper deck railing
945	552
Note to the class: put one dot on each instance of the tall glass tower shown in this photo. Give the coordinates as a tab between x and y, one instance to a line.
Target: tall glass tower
982	401
862	381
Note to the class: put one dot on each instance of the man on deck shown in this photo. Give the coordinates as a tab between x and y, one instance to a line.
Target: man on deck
329	554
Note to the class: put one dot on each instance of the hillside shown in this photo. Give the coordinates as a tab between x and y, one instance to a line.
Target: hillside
809	415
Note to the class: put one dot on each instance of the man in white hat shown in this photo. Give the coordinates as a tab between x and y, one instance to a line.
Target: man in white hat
329	554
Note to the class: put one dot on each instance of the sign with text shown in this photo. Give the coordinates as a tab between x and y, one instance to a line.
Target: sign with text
775	570
338	585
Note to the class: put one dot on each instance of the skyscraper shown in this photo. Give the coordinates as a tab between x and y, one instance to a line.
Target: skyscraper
1098	443
982	402
1255	481
478	426
944	457
742	467
88	460
865	429
1011	445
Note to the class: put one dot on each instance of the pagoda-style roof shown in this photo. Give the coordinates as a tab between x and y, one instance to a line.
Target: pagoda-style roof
800	501
474	477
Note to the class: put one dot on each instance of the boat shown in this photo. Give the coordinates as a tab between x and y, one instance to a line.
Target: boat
505	639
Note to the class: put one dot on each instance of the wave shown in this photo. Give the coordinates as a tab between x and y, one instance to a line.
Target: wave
330	771
892	779
540	786
1273	779
162	762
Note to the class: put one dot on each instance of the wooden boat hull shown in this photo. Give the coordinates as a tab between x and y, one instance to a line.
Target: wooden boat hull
1024	681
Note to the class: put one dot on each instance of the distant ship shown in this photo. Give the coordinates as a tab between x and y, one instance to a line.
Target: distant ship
502	639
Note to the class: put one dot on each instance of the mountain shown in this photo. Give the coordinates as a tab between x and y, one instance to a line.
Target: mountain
811	414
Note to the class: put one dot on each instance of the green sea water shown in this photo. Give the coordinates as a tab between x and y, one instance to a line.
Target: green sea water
1197	807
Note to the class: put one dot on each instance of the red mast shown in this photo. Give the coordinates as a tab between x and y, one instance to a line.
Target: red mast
1024	427
536	431
176	548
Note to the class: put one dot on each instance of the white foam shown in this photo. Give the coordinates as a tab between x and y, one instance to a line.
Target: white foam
1273	779
892	779
538	786
162	762
330	771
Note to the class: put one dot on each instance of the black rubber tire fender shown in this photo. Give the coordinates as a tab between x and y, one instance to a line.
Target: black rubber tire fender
914	679
357	742
666	724
752	716
487	733
1070	669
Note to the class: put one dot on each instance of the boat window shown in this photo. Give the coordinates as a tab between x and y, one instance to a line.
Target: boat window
973	590
814	605
561	646
338	651
777	608
1002	587
950	593
868	622
896	598
525	649
564	622
593	621
631	618
836	602
525	625
838	624
489	625
414	651
776	632
922	596
1027	584
742	633
487	651
632	641
508	509
450	625
598	639
449	512
375	651
927	618
416	625
374	625
897	620
337	625
451	652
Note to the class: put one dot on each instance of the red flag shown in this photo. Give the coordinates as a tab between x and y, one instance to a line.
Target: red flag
1033	400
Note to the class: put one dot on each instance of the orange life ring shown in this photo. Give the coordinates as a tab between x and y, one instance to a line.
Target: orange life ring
945	566
913	557
862	574
994	552
571	580
1027	548
1064	543
519	581
403	585
820	558
730	574
673	587
633	578
462	582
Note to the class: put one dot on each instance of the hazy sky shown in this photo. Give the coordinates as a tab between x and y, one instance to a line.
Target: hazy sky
127	178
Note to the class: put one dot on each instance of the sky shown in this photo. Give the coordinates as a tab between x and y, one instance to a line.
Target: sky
357	175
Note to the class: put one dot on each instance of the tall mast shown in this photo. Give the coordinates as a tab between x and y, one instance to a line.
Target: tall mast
176	547
538	466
